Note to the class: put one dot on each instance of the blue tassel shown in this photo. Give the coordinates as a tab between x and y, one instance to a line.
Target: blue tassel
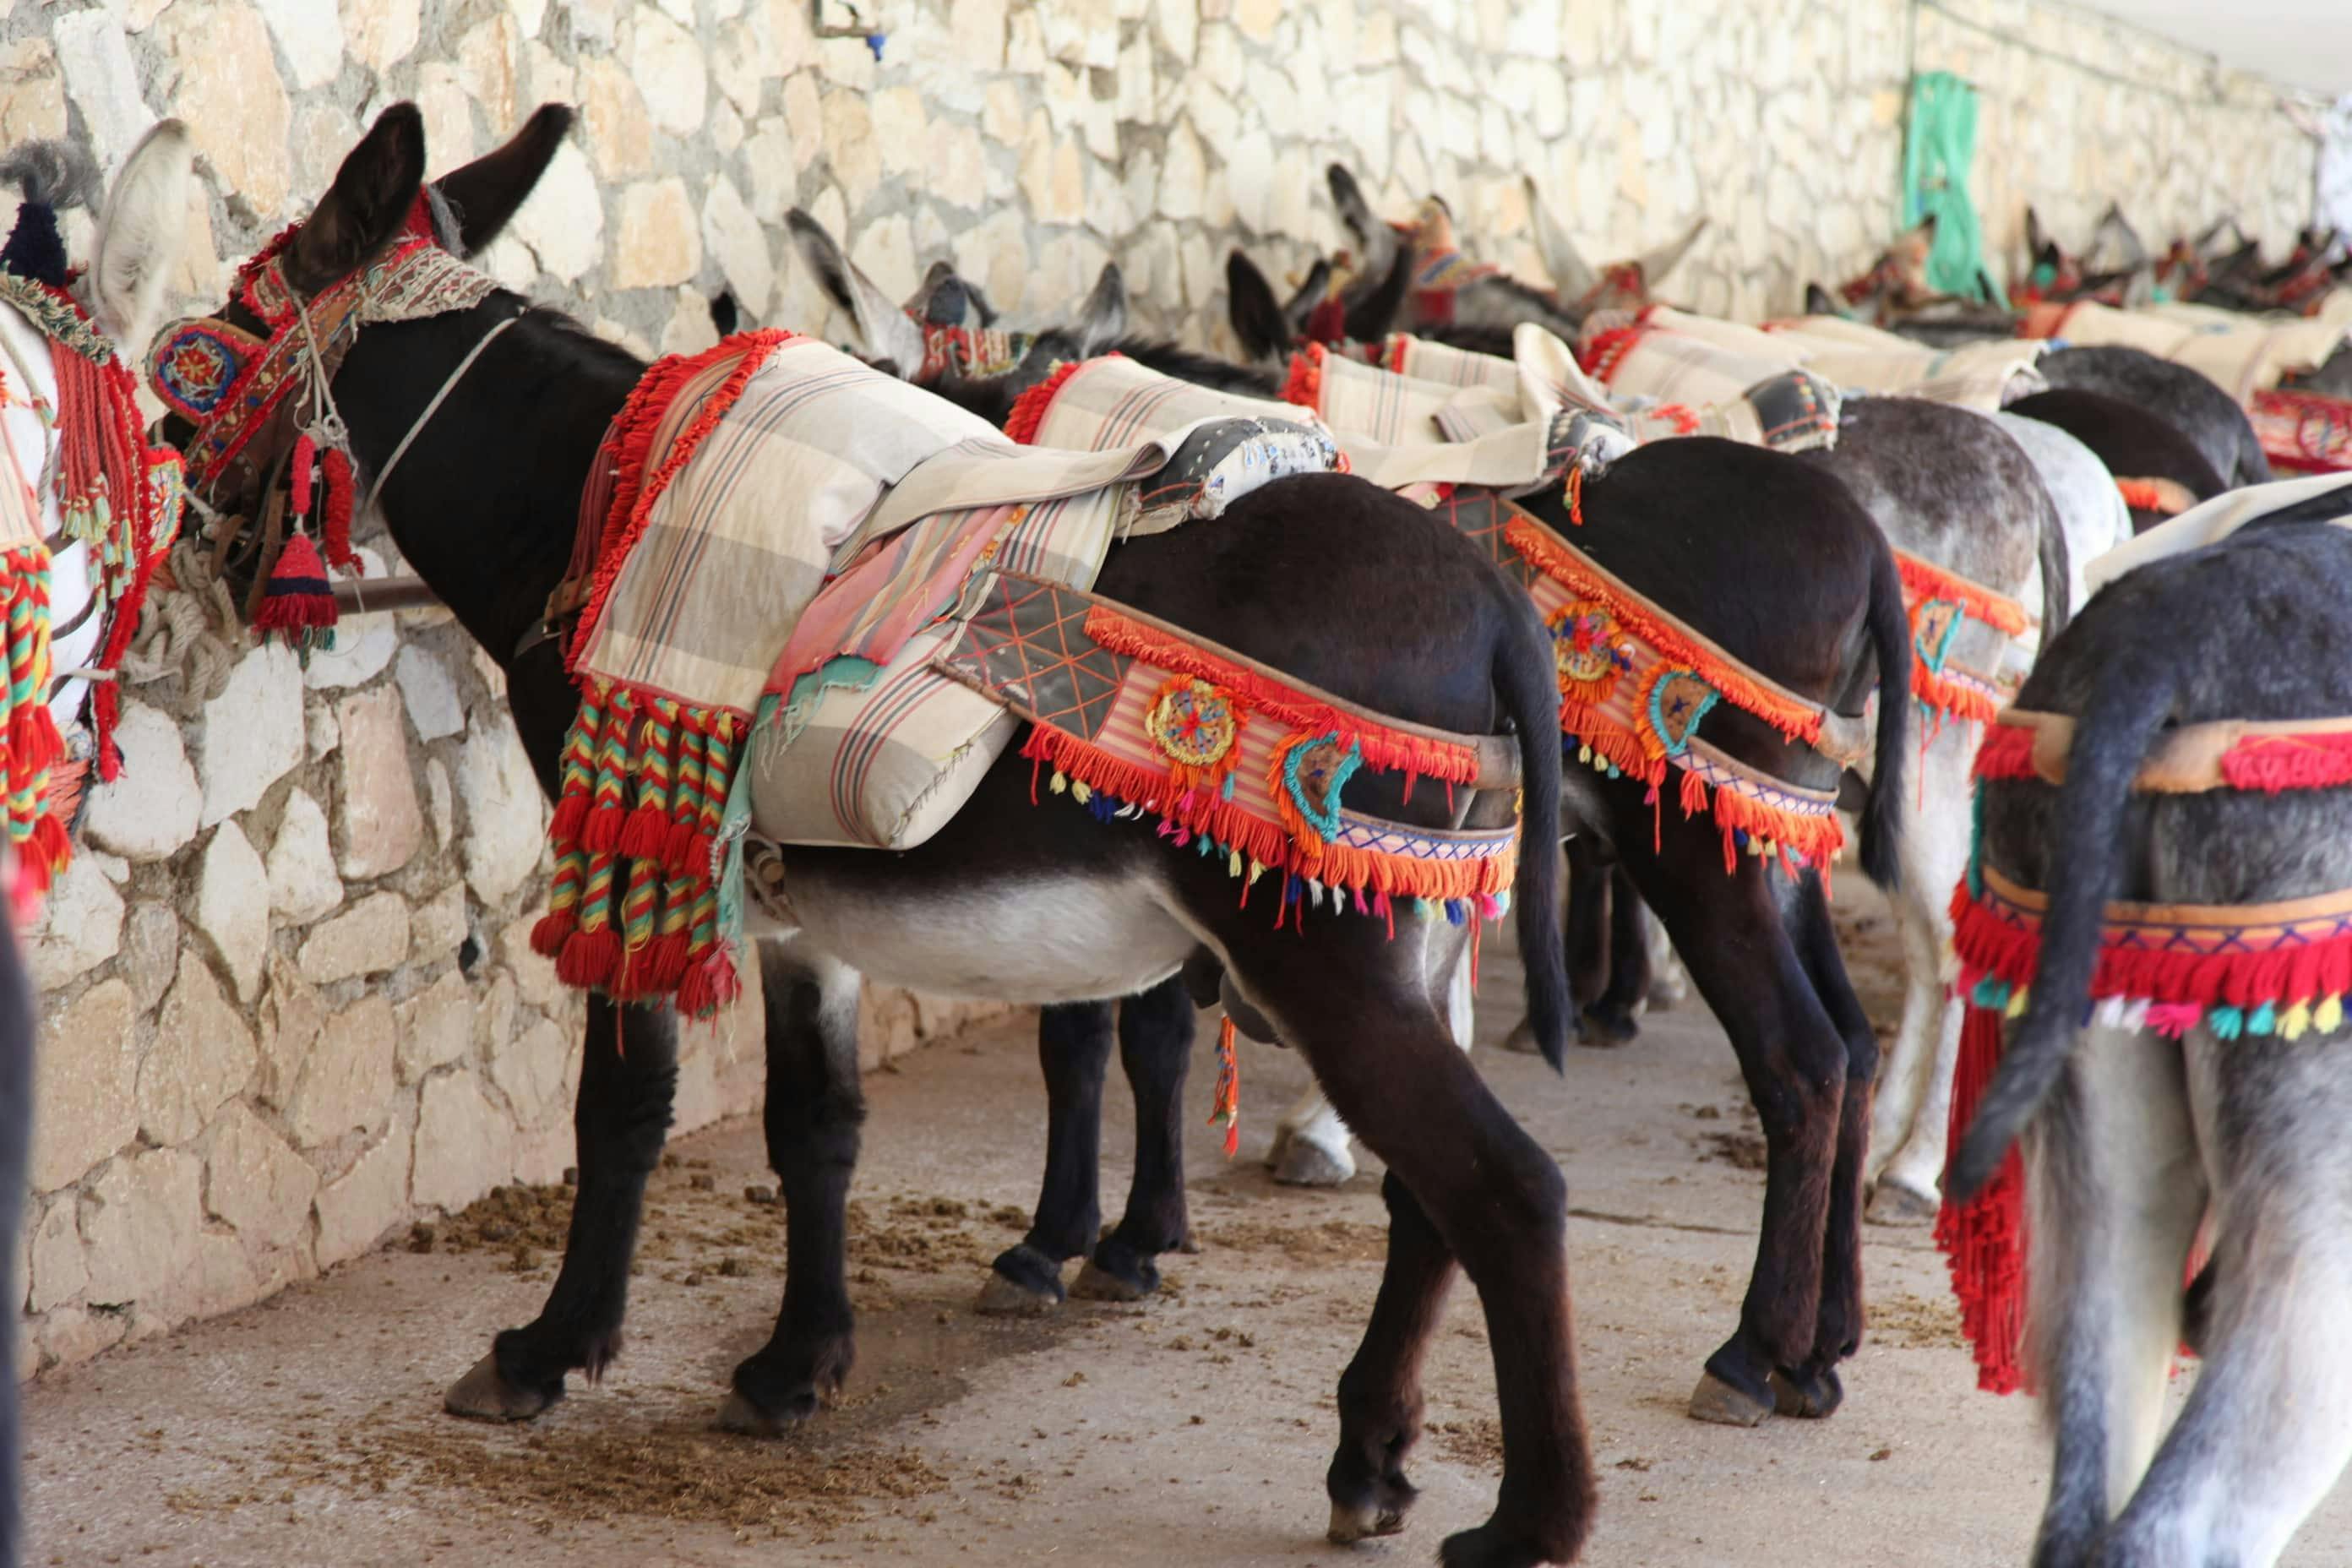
2265	1020
1991	991
1103	806
2227	1023
1457	912
1226	788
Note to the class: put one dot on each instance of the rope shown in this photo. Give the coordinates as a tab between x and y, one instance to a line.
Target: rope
182	631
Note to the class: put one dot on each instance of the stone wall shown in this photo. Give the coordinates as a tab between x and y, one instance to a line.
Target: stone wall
288	999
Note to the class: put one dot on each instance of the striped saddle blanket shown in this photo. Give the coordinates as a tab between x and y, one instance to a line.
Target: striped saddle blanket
784	539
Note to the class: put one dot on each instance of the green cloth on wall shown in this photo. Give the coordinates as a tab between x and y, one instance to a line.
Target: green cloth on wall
1939	149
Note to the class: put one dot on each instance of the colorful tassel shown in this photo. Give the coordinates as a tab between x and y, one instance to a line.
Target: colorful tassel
1227	1105
296	604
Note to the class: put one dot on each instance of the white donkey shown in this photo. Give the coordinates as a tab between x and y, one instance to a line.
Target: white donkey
141	228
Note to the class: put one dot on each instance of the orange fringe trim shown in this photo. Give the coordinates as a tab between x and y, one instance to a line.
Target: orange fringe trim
1964	703
1383	748
1236	829
1928	581
1795	719
1029	408
634	489
2168	498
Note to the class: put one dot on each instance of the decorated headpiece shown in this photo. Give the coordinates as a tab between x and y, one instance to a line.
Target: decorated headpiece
255	400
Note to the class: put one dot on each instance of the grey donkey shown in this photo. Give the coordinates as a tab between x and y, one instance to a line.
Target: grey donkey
2128	1138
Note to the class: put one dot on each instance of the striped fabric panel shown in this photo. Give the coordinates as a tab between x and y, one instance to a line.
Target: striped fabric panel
1115	401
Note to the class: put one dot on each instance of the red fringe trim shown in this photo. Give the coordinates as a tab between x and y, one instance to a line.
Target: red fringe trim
1962	702
1029	408
1793	718
1599	358
1983	1241
1383	748
2274	763
634	489
2007	752
1925	580
1304	385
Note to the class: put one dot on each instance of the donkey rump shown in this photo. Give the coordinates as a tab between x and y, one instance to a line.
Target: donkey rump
2281	968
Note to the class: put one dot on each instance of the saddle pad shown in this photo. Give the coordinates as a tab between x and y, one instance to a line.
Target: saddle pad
2217	519
1113	401
2302	432
1715	363
2250	357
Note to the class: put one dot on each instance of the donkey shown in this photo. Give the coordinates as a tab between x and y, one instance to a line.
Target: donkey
2131	1139
2159	470
142	221
1801	1038
1028	905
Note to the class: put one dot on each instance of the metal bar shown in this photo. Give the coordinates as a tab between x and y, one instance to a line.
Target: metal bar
357	596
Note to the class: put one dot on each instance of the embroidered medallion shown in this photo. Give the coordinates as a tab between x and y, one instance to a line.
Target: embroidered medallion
1196	724
1934	623
1313	770
1675	702
1591	649
194	368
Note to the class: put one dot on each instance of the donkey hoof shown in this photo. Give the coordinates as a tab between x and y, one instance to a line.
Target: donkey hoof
1896	1205
1808	1395
1001	1298
739	1415
1717	1402
1604	1027
484	1394
1522	1039
1349	1525
1309	1165
1095	1283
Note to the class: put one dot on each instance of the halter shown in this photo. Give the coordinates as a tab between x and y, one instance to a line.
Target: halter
263	407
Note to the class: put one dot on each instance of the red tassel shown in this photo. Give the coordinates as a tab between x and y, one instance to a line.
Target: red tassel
110	715
335	529
571	816
591	959
552	931
306	457
644	835
1984	1241
297	602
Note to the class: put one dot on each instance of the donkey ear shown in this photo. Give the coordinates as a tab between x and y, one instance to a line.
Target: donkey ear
883	326
1572	276
1657	263
1102	320
485	193
362	212
1303	302
1817	301
1265	333
139	235
2036	241
1376	242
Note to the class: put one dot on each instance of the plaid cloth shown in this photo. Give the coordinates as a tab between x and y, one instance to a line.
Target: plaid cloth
2254	354
1114	401
1426	360
1682	358
2303	433
2215	521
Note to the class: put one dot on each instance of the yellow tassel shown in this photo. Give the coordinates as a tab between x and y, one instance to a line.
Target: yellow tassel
1584	753
1061	781
2017	1001
1257	869
2327	1015
1233	866
2295	1021
1080	792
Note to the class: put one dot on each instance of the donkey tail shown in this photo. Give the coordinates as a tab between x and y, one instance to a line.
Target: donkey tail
2117	726
1527	680
1890	640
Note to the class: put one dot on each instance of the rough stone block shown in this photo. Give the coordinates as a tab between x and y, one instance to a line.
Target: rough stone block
140	1236
345	1081
232	906
257	1182
505	816
381	826
253	733
302	865
435	1026
87	1107
151	810
369	937
81	925
459	1139
203	1056
357	1208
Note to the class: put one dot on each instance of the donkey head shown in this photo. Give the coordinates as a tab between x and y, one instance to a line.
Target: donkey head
896	333
142	222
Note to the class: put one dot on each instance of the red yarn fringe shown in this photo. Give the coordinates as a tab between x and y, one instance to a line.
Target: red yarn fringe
335	524
1029	408
1304	385
634	490
2007	752
2274	763
1983	1240
1599	357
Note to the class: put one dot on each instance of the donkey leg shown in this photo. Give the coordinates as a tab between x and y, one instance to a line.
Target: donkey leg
1908	1138
1813	1389
1615	1014
628	1075
1072	1047
1733	932
815	1108
1155	1048
1380	1393
2115	1191
1590	932
1500	1205
1311	1145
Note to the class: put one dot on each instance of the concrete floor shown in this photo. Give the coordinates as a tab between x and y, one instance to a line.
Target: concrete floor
1191	1430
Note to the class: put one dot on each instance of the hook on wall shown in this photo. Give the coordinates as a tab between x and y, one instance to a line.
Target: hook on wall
858	27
